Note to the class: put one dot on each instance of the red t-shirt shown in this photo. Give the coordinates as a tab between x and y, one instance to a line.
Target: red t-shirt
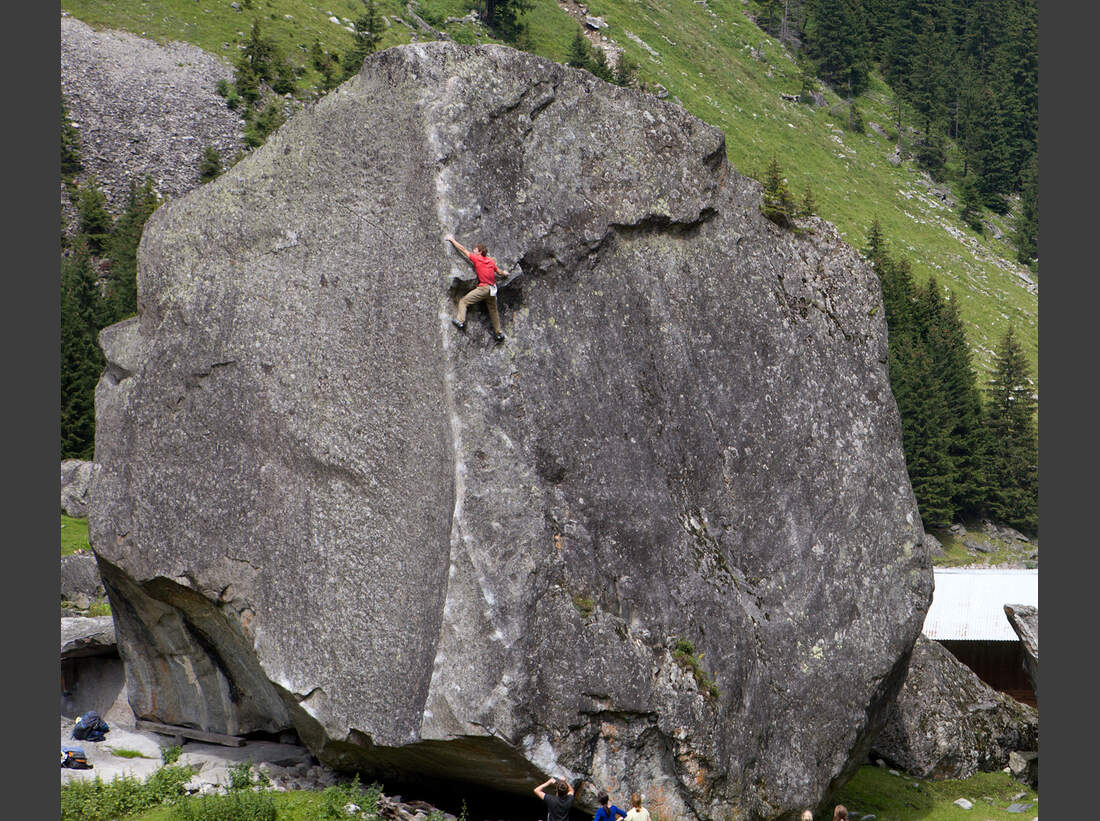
486	269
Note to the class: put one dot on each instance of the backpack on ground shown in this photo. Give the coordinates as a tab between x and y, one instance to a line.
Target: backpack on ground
90	727
74	758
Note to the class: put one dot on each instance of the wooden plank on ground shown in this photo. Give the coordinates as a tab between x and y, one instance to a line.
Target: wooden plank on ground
188	732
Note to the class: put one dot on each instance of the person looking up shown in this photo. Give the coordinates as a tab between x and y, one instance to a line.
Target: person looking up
607	811
558	802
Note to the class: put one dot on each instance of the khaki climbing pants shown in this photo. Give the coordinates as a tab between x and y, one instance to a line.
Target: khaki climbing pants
481	292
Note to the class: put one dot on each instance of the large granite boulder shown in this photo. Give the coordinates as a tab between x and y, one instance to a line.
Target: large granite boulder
622	545
947	723
1024	619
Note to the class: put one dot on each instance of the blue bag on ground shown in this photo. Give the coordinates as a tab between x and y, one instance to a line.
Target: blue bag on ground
74	758
90	727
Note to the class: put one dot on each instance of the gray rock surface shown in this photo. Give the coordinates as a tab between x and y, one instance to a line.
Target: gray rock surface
81	636
1024	619
1024	766
76	477
320	506
947	723
80	578
144	108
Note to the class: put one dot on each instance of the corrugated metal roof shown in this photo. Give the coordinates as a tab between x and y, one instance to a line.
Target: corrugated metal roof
968	604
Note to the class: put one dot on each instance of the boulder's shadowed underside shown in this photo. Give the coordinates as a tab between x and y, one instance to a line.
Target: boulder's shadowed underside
321	506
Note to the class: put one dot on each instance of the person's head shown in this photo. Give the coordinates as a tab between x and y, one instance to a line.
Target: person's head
636	800
603	797
563	787
481	249
840	813
807	816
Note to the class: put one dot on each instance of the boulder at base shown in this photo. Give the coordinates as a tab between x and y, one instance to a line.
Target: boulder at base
948	723
76	478
661	536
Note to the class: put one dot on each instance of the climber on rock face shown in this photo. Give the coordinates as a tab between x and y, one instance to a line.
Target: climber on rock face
486	269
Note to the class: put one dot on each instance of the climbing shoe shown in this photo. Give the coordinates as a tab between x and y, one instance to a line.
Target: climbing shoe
460	325
498	337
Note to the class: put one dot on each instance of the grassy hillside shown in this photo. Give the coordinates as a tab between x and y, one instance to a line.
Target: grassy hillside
720	66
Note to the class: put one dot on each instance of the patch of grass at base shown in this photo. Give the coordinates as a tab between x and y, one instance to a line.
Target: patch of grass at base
74	535
875	791
123	752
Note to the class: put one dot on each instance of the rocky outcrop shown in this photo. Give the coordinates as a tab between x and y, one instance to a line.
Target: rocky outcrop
947	723
1024	619
82	636
144	108
76	478
80	582
621	545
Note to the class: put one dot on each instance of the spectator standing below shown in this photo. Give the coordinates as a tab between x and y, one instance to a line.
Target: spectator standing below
807	815
607	811
557	803
486	269
840	813
637	811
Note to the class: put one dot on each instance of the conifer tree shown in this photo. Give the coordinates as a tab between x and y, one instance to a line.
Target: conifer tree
368	34
600	67
210	164
778	206
809	204
924	438
122	250
626	70
81	359
836	40
71	163
1014	452
580	52
94	220
504	17
1025	235
956	381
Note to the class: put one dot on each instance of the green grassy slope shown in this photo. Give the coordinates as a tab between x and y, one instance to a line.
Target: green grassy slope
721	67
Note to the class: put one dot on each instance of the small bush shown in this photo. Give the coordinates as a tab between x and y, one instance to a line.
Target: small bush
338	796
584	605
210	165
809	204
234	806
223	87
684	653
855	119
171	754
240	776
100	607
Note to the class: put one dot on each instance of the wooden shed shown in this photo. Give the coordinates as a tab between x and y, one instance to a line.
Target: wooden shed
967	617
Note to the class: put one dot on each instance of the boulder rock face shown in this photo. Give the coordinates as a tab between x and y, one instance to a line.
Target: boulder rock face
320	506
948	723
80	577
76	478
1024	619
